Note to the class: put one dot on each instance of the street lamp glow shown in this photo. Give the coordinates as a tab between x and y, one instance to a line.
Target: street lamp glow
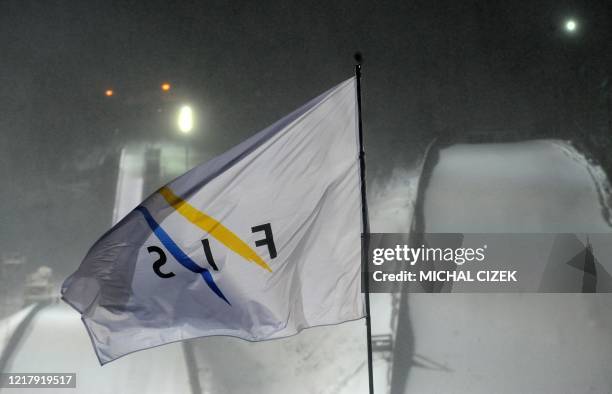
571	25
185	119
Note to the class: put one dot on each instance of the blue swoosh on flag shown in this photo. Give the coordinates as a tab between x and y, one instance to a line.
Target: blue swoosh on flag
178	254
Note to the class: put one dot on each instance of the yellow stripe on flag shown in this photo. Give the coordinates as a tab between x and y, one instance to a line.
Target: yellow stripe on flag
212	227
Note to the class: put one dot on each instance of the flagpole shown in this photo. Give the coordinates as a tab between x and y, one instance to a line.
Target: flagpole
366	227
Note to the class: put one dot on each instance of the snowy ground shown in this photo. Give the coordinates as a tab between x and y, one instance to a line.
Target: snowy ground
542	343
522	343
56	342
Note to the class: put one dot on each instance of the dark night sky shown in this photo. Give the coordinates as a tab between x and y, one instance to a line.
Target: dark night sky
432	68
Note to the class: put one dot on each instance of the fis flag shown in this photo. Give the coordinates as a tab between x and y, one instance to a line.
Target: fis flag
258	243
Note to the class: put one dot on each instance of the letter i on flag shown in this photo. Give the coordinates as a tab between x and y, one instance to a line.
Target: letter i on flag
258	243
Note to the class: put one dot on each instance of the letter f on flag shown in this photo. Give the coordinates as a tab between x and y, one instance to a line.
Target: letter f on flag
258	243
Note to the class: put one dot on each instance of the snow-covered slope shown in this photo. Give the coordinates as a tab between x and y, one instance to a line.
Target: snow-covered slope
515	343
55	341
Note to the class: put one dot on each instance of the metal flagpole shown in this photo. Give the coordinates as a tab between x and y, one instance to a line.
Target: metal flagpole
366	227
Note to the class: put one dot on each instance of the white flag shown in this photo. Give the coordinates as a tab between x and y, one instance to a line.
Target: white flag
258	243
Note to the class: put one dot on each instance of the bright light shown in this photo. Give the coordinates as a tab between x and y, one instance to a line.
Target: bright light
165	86
185	119
571	25
109	92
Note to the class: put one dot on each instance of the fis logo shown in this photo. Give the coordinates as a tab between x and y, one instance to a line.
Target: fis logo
214	229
